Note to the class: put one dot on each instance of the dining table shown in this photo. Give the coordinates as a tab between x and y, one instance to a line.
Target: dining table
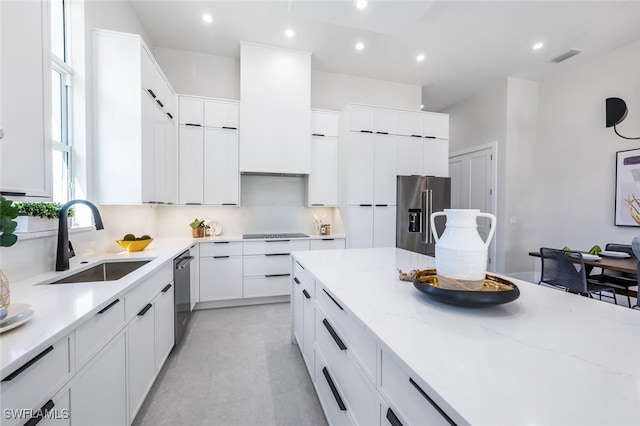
627	265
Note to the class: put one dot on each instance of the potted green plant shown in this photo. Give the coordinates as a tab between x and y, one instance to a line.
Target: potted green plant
197	228
8	212
38	216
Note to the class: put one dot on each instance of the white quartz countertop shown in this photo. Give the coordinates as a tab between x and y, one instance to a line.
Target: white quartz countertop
548	358
60	308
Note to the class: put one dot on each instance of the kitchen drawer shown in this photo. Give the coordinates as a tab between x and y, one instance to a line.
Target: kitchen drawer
266	286
191	111
221	248
59	410
328	244
356	336
146	290
269	264
92	335
408	395
389	416
275	246
330	394
358	390
305	278
38	378
220	278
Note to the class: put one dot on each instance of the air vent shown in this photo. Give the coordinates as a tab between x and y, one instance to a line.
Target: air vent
566	55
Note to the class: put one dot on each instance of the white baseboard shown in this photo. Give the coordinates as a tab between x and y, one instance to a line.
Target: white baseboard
240	302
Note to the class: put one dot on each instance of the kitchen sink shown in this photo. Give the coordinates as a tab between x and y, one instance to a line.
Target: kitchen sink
105	271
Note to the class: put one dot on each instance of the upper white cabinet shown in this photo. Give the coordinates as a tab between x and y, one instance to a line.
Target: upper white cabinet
275	97
361	118
25	163
325	123
134	132
208	146
409	123
323	182
435	125
385	120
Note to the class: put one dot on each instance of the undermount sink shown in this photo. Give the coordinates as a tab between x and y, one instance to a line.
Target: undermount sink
105	271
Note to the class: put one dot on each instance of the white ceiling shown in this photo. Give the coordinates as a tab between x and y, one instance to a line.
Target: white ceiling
468	44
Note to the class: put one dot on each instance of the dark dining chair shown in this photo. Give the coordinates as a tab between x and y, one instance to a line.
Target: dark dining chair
637	305
616	279
565	269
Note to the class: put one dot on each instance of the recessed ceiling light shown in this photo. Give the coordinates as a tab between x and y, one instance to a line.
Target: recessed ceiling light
361	4
359	46
207	18
420	57
537	46
289	33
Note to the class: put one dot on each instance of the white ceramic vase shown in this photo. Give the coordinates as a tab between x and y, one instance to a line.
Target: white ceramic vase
461	255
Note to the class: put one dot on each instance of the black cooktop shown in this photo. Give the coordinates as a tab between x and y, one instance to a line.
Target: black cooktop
275	236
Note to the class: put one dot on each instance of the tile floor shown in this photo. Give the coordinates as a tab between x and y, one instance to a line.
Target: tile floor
235	366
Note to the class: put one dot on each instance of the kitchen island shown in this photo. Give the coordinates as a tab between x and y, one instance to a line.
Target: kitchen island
548	358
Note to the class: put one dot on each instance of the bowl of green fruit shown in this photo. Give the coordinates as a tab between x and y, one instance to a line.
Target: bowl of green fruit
132	243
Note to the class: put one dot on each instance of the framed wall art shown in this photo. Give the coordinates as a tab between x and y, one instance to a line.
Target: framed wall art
628	188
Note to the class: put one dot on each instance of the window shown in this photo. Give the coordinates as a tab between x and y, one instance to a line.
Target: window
61	72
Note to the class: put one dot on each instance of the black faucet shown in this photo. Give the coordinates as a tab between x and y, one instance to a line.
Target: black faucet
62	257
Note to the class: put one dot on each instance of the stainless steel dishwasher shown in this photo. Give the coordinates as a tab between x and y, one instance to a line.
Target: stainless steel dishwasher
182	295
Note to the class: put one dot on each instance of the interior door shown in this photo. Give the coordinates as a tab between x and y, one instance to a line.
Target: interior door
472	176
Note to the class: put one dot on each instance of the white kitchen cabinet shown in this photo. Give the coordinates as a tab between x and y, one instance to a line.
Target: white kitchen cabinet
61	402
360	168
385	120
308	325
99	391
384	226
148	69
141	361
324	185
435	125
129	122
220	278
164	325
383	170
191	111
435	158
360	226
195	274
171	161
171	101
221	175
25	79
409	123
275	97
328	243
191	165
361	118
325	123
409	155
221	114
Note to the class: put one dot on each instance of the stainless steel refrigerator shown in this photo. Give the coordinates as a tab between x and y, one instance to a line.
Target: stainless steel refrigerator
418	197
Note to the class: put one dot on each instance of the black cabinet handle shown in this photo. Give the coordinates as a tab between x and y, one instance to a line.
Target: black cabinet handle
28	364
229	204
170	116
153	95
109	306
229	128
193	124
40	414
366	205
13	194
277	254
328	239
432	402
145	309
159	103
317	134
382	133
221	242
334	391
334	300
193	204
166	288
306	295
277	275
366	131
430	137
220	257
382	205
299	264
416	136
317	204
335	336
296	280
276	241
393	420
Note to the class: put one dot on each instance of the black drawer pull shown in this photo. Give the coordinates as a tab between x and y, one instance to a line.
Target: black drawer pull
229	128
328	239
366	205
416	136
317	204
166	288
40	414
153	95
229	204
145	309
317	134
382	205
13	193
193	204
276	241
28	364
333	334
334	300
221	257
159	103
221	242
306	295
170	116
334	391
296	280
277	275
382	133
109	306
430	137
193	124
299	264
277	254
366	131
393	420
431	401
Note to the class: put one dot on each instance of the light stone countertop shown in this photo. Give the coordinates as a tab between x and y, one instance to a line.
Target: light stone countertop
548	358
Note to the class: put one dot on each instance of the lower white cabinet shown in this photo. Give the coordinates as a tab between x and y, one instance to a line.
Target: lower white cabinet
330	395
98	392
220	278
266	285
141	356
61	404
327	244
164	325
384	226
